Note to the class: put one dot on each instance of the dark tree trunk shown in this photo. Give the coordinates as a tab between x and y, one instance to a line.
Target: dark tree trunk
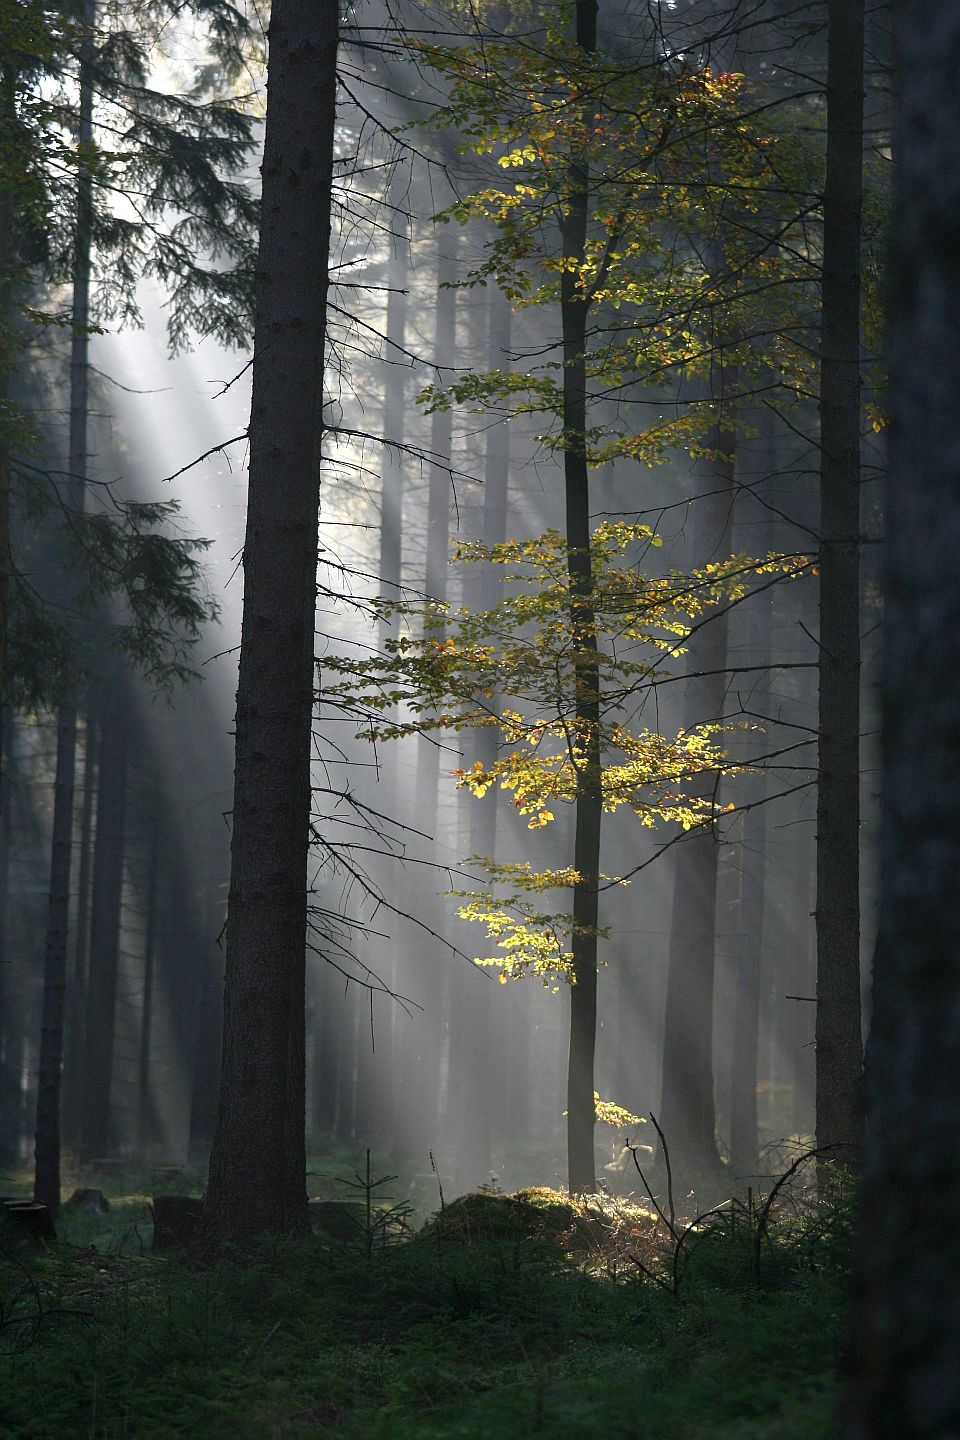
8	1076
258	1164
8	261
105	922
839	1119
146	1127
47	1174
581	1165
906	1380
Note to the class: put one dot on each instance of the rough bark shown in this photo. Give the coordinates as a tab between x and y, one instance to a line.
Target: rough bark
258	1166
906	1381
839	1119
47	1173
581	1165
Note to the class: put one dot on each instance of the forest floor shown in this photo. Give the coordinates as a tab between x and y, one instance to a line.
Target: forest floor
455	1332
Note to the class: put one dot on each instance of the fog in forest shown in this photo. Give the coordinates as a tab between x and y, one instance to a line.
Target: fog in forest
413	1048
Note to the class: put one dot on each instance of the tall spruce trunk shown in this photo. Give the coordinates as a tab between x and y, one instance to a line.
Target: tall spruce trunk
838	1021
422	1056
9	1084
77	990
147	1133
581	1118
385	1082
47	1149
906	1381
258	1163
744	1128
105	910
478	1059
8	263
687	1103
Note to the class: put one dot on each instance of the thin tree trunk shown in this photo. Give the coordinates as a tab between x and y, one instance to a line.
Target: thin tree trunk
423	1062
687	1104
8	1081
146	1132
745	1049
384	1079
77	991
906	1381
744	1128
8	261
581	1167
47	1173
839	1118
258	1163
105	908
478	1061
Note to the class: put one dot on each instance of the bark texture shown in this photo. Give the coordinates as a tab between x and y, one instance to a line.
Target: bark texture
258	1167
906	1380
581	1164
838	1038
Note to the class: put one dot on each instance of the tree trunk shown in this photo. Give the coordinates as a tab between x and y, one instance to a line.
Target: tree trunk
430	974
385	1080
581	1167
105	909
146	1118
906	1381
839	1119
258	1164
8	1076
478	1061
209	1009
47	1174
77	991
8	261
744	1129
687	1105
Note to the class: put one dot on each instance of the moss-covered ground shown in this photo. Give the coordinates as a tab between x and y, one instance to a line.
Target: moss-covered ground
490	1323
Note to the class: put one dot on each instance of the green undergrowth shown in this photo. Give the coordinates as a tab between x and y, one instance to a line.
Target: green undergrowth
503	1336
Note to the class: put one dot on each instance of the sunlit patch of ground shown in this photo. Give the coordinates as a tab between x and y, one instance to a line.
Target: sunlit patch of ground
504	1336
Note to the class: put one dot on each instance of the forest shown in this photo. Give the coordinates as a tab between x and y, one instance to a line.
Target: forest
479	719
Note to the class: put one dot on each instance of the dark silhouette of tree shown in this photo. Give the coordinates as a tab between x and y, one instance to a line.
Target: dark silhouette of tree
257	1165
906	1382
839	1122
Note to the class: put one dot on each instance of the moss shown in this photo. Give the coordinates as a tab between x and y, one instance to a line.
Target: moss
537	1213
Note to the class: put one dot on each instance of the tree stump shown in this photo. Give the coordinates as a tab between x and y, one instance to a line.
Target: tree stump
88	1202
26	1222
176	1220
